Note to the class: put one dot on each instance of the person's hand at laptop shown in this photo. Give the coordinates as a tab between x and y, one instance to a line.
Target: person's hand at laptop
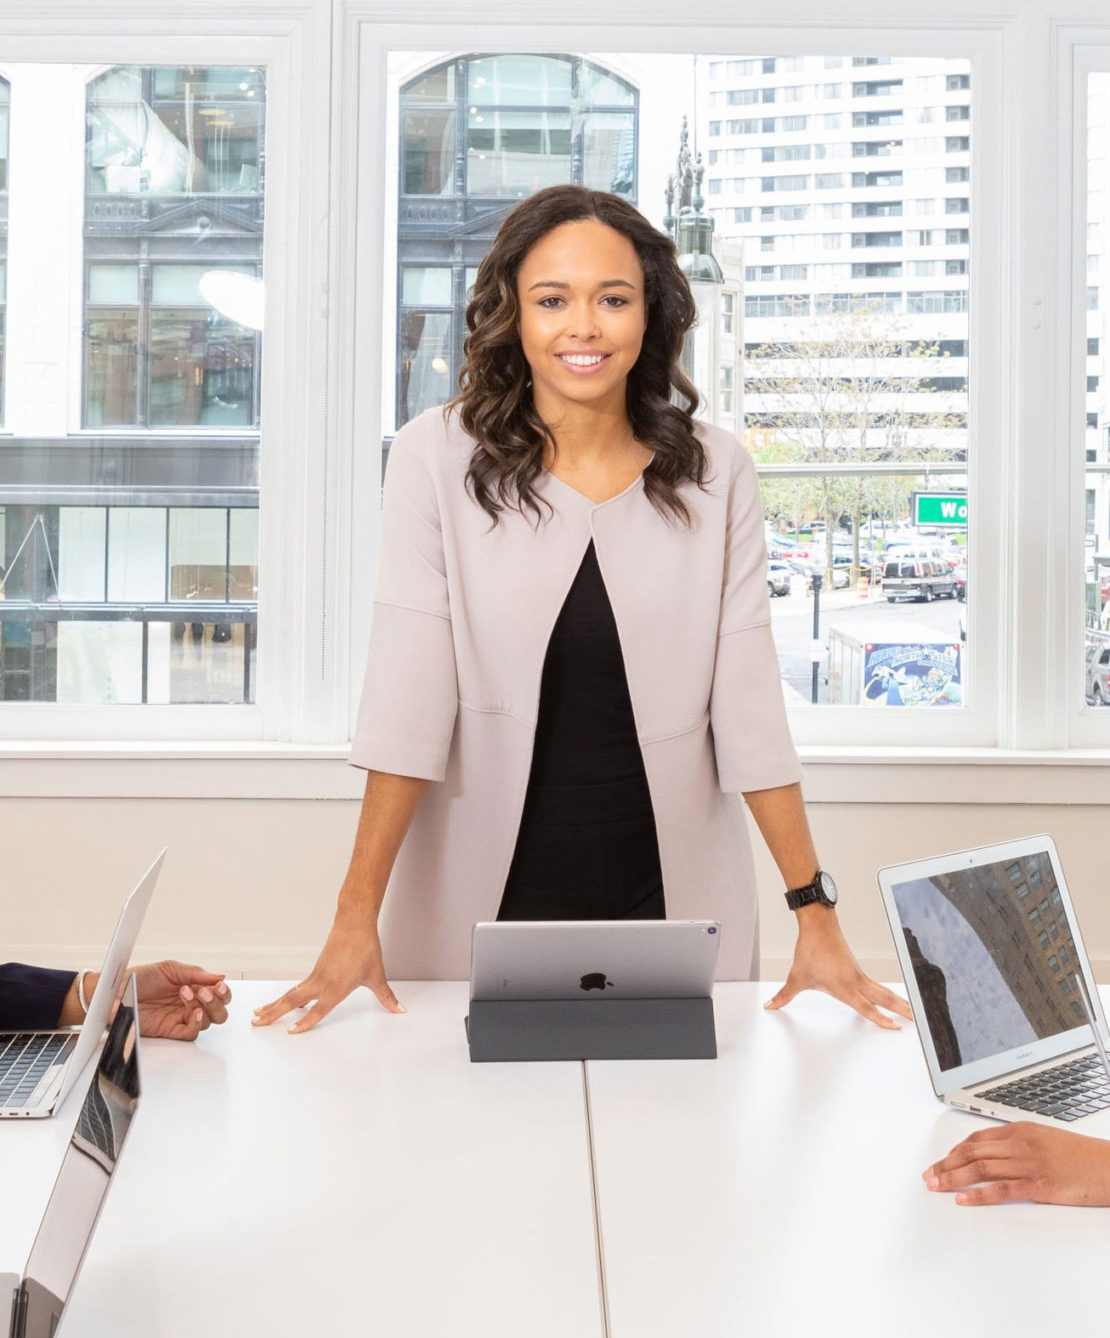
1026	1161
176	1002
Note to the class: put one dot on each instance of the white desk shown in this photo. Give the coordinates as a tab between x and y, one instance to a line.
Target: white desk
365	1179
777	1191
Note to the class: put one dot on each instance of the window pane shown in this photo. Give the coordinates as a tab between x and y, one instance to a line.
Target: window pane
597	87
82	536
198	553
523	81
179	285
1096	650
243	554
111	368
100	662
202	370
5	118
608	152
85	615
429	153
516	153
136	553
425	361
439	86
175	130
422	286
113	283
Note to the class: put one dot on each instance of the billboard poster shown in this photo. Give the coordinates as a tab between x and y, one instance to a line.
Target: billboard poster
911	674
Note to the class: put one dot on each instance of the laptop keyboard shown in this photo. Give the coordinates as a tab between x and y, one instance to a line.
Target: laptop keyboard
25	1059
1067	1093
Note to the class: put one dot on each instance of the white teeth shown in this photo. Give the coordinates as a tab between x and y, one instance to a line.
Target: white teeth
582	359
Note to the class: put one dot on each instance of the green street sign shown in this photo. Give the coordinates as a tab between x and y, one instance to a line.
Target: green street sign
946	509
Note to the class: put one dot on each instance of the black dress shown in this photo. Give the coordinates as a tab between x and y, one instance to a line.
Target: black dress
587	847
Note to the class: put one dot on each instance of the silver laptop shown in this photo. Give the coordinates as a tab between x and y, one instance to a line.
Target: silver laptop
37	1068
993	962
35	1302
604	959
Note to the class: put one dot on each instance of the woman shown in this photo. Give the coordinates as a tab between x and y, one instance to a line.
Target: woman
571	671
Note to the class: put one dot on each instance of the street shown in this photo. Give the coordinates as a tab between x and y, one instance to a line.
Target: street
792	621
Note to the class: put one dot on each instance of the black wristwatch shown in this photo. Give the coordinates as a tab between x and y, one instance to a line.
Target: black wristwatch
821	892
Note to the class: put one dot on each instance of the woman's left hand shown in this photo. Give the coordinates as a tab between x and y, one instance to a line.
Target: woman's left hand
823	961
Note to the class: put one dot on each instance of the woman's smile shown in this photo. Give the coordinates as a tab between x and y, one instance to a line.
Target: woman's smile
582	364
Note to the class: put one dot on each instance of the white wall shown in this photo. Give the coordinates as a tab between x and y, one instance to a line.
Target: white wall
249	884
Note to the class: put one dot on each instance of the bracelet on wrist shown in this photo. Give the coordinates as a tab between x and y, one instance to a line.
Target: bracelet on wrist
81	977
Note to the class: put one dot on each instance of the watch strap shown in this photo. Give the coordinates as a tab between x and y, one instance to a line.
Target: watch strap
811	893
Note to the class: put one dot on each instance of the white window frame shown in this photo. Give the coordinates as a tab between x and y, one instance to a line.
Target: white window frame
301	653
1082	52
845	727
321	411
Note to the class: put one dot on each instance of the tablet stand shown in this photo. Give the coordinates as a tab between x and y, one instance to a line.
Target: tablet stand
531	1029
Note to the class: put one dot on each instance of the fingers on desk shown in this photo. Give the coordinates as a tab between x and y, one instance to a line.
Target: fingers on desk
895	1002
784	996
983	1168
388	1000
1001	1191
297	997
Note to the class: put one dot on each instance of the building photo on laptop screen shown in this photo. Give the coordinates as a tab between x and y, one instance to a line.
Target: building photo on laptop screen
993	955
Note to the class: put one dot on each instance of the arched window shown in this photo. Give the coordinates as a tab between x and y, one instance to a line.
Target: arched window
479	133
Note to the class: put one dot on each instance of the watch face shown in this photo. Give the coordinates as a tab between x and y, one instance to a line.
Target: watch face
828	888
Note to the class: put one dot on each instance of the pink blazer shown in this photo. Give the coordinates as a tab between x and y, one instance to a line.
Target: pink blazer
462	616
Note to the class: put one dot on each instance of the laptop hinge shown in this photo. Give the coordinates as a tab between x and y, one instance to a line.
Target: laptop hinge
18	1324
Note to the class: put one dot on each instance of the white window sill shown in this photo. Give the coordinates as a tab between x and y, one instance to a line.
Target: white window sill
833	775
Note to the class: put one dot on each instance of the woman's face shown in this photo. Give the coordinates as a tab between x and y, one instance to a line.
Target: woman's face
582	316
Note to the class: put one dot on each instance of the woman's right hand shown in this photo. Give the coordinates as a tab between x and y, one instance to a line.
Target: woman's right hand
352	956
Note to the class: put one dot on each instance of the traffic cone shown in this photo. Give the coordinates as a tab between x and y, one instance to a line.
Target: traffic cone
863	586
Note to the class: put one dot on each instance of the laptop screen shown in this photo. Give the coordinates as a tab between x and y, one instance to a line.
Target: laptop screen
85	1174
993	956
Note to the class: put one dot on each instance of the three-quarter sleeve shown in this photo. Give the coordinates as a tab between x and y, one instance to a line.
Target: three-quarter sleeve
31	997
751	736
410	695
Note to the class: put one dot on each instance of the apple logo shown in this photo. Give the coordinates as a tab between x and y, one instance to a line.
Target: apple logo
595	980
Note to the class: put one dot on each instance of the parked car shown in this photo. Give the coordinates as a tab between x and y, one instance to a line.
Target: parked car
1098	674
921	578
959	575
778	578
842	571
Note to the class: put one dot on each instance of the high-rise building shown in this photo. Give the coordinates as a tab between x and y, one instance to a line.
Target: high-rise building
849	180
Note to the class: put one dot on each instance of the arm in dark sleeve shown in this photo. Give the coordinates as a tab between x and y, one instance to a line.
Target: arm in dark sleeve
31	997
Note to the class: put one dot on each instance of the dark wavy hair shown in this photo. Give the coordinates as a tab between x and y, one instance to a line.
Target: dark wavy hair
495	403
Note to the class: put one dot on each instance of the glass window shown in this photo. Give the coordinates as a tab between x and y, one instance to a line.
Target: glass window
113	284
5	119
519	122
171	131
428	152
201	370
425	361
168	341
425	286
515	153
111	368
525	81
608	151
